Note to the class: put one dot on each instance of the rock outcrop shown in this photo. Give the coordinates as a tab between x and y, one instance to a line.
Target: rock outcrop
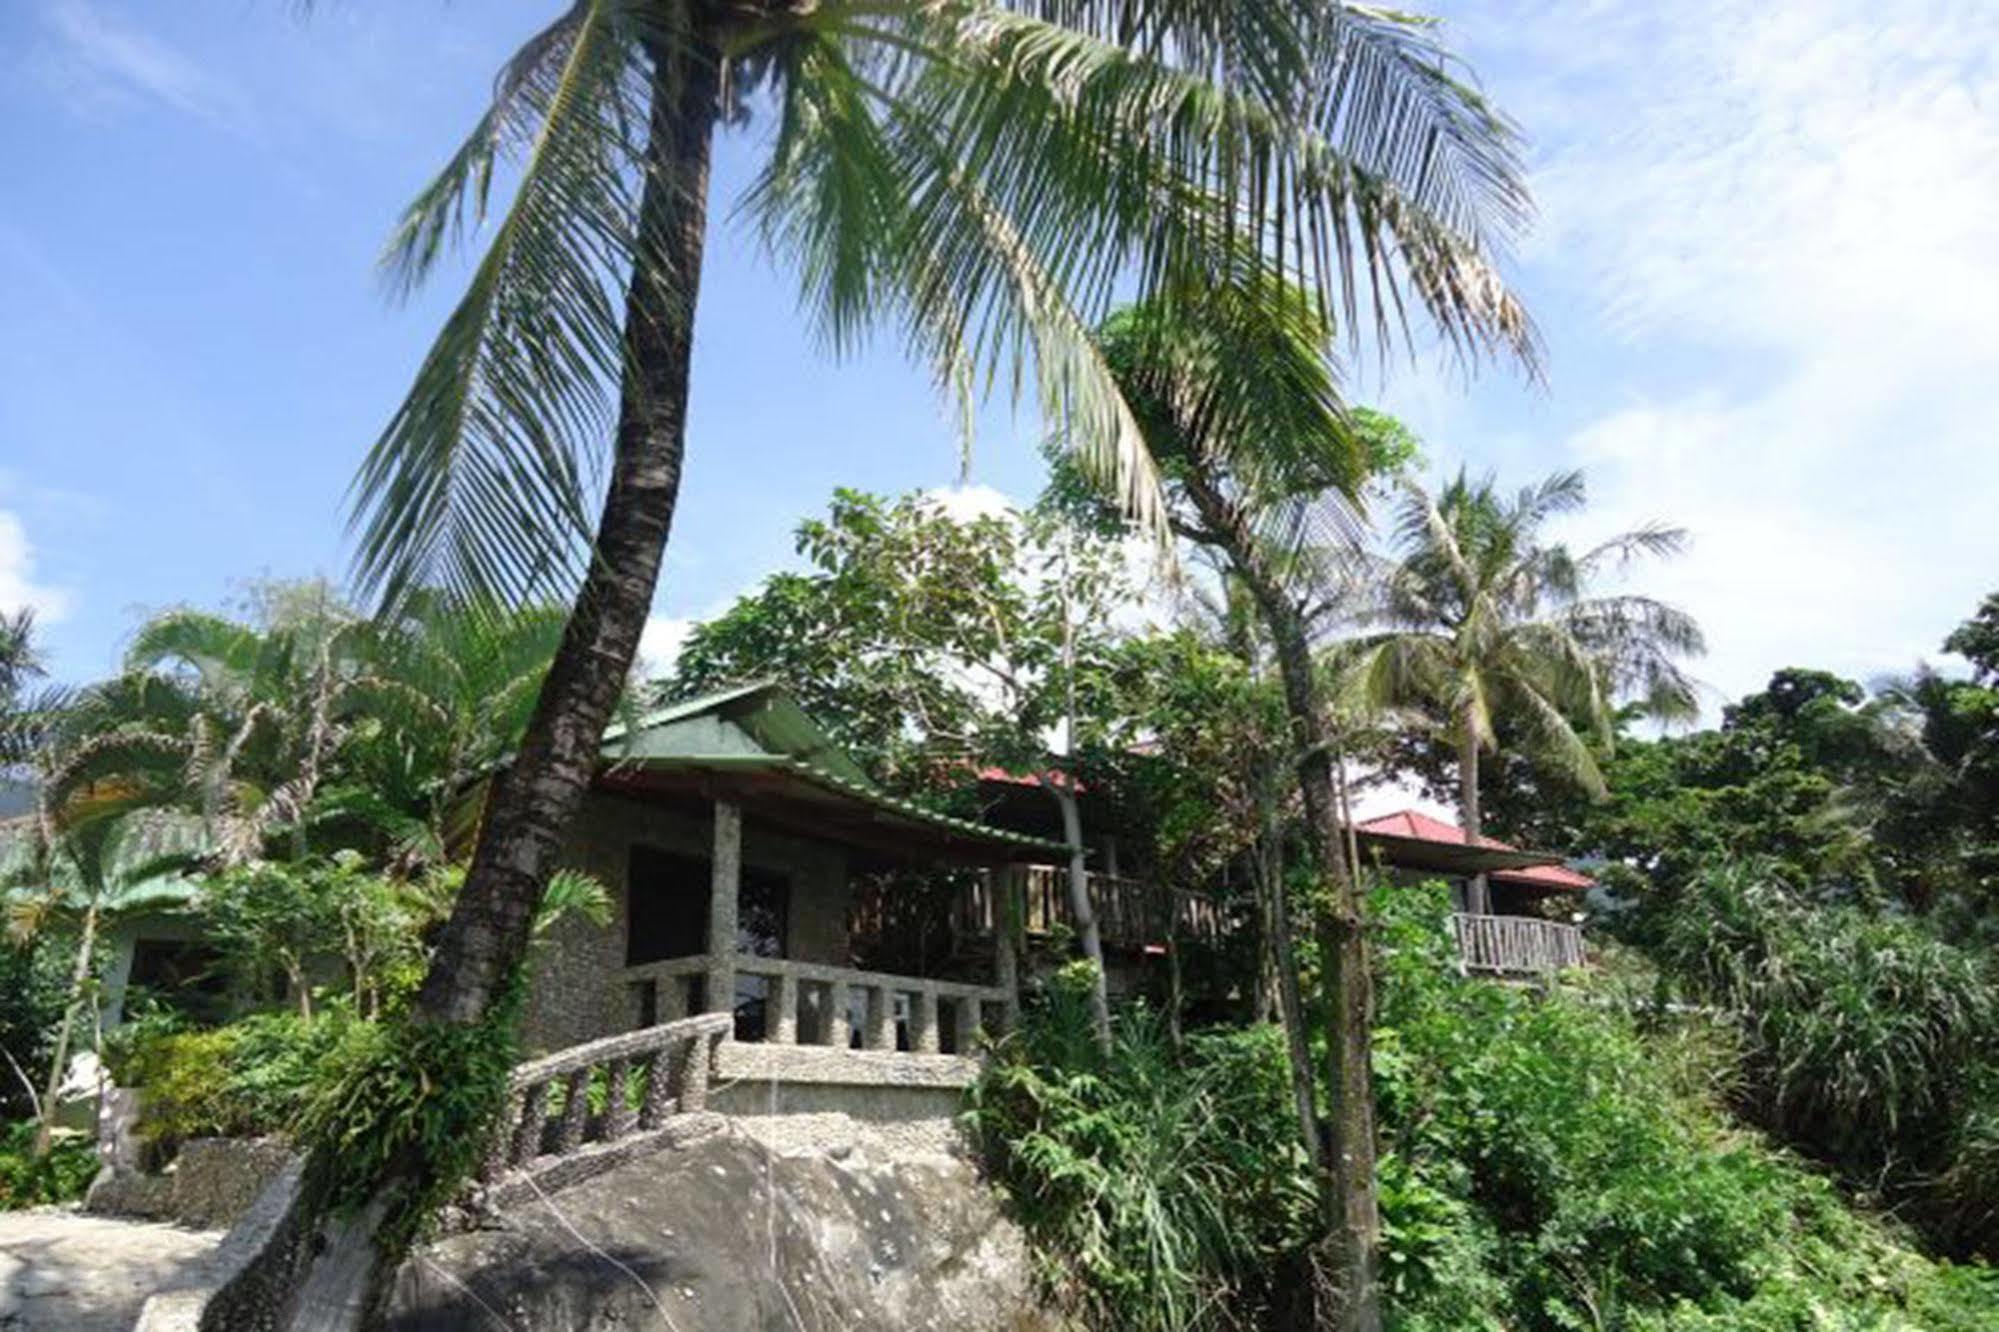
805	1223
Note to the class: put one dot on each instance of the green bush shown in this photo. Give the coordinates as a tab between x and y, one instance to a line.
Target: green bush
1868	1041
60	1176
1166	1185
404	1108
1568	1163
250	1078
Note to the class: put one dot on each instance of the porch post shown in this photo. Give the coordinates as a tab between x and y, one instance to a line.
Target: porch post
1006	930
723	887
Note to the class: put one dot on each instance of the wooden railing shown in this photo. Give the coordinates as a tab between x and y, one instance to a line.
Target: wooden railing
1516	945
647	1076
1131	913
916	1004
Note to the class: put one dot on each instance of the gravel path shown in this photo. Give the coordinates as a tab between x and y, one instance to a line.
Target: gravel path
62	1271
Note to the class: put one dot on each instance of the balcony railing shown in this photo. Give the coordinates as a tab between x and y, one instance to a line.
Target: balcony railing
808	1003
1516	945
1131	913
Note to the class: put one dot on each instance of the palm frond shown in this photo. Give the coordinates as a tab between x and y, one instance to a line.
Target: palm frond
480	484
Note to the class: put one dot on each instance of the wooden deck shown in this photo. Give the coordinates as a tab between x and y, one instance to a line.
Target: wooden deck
1131	913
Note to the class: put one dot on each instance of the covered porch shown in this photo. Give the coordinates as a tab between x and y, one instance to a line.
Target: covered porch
1506	898
750	859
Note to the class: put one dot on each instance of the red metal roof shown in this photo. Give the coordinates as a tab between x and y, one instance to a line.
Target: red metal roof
1053	777
1419	827
1554	877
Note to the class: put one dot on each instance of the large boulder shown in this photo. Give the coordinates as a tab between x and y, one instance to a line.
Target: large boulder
805	1224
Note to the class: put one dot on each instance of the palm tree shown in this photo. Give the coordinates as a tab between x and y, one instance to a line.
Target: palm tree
25	709
102	852
982	177
1238	403
1478	618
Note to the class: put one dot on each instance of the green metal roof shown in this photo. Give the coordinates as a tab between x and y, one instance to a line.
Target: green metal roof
757	719
760	728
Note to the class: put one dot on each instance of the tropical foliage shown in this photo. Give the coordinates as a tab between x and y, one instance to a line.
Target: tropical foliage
1477	615
1551	1164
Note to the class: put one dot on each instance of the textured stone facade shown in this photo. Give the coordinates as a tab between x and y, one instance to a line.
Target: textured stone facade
578	991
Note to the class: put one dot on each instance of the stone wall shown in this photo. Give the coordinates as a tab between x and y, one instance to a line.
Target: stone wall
209	1185
578	991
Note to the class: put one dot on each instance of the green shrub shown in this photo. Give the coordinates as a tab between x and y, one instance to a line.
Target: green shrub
250	1078
407	1107
1167	1187
1868	1041
1585	1183
60	1176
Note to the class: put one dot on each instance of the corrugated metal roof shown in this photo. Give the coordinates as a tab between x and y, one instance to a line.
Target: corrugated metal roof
1501	860
760	726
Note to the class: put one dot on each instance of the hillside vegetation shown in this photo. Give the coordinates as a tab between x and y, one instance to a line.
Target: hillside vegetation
1552	1161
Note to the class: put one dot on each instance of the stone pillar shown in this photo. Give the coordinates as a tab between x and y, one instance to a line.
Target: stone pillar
839	1031
1006	930
880	1031
924	1039
968	1024
783	1028
723	887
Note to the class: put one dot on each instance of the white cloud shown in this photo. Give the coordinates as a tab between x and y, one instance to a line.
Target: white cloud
1802	202
660	643
98	62
18	588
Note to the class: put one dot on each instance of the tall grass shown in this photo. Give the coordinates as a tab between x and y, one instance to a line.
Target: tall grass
1165	1183
1548	1166
1868	1041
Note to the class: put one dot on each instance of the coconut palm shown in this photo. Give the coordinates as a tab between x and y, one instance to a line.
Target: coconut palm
979	176
25	705
1478	617
1238	402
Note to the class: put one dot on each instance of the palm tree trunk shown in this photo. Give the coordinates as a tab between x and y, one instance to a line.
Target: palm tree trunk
534	800
1088	936
79	977
1478	895
1347	1163
1290	1003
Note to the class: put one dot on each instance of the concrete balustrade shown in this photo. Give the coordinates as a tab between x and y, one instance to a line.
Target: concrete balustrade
872	997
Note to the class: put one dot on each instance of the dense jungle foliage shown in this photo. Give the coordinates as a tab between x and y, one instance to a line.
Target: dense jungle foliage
1553	1160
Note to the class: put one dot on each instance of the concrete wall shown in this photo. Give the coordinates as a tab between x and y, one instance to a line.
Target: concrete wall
578	988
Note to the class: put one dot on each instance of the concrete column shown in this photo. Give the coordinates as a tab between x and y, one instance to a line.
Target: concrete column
1007	926
880	1034
968	1024
839	1031
924	1038
784	1009
724	885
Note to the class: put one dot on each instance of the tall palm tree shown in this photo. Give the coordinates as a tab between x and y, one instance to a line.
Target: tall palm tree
1238	402
982	177
1478	617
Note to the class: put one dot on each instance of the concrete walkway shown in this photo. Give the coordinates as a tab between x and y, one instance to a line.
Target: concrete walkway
62	1271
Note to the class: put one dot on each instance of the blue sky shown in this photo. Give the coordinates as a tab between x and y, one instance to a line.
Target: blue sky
1765	268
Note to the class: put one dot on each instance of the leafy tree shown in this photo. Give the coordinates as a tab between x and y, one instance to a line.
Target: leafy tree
1237	402
1479	616
941	646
